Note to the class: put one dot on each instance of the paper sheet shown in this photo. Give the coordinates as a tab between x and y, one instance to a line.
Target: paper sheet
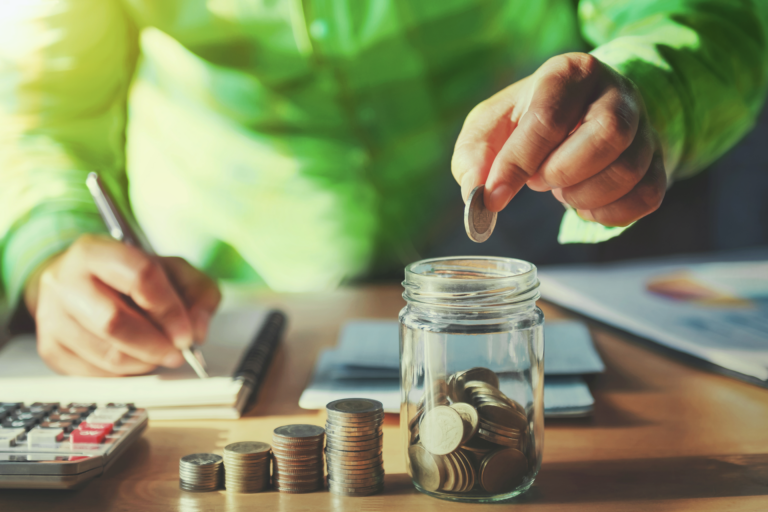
678	304
24	377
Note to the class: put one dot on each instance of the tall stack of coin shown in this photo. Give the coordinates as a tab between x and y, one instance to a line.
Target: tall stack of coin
200	472
353	448
468	436
298	458
246	466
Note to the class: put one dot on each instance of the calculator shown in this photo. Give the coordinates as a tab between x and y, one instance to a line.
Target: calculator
62	446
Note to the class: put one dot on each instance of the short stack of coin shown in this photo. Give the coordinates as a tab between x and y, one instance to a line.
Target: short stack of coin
200	472
298	458
353	448
246	466
467	436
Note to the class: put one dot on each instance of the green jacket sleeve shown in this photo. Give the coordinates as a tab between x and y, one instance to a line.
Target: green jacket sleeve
64	71
701	66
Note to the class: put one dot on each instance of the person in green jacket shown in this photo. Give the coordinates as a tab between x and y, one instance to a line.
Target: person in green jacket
301	143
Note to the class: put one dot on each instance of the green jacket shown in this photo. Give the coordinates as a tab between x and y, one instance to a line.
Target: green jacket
303	142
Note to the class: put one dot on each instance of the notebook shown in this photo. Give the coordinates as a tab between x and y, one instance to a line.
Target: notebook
365	363
238	350
712	307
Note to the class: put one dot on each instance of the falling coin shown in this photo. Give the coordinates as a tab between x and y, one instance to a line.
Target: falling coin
478	221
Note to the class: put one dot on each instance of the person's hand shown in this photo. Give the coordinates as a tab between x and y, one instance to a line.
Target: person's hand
575	127
86	327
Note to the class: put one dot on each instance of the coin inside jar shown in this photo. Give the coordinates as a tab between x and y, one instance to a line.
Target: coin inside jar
441	430
478	220
469	416
427	471
503	470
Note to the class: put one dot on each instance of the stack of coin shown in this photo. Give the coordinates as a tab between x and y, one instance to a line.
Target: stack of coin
353	449
246	466
468	436
298	458
200	472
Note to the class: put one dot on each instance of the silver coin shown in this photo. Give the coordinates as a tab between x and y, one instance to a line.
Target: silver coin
348	447
344	419
355	406
345	461
298	431
349	455
278	451
357	473
193	488
352	491
478	221
334	431
338	468
294	463
318	472
290	490
356	482
201	459
246	448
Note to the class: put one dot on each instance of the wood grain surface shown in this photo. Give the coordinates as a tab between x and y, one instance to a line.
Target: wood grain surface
664	436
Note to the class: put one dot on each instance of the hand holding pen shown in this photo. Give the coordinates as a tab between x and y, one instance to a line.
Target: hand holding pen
85	325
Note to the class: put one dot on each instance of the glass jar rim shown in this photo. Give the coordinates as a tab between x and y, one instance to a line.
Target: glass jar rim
471	281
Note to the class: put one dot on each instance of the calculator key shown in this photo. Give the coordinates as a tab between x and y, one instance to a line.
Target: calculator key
11	405
87	436
43	407
64	417
23	414
101	427
25	424
12	432
82	411
81	404
107	415
129	406
66	426
43	436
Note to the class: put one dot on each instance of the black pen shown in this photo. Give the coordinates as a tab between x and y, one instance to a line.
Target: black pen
121	230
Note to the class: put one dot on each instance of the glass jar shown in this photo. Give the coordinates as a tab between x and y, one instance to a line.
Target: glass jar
472	377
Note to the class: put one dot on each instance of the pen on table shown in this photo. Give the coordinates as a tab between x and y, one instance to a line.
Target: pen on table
121	230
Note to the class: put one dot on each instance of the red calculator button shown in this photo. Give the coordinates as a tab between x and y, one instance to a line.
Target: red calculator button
100	426
87	436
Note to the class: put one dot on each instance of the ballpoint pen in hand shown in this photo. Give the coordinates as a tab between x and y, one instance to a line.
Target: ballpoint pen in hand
121	230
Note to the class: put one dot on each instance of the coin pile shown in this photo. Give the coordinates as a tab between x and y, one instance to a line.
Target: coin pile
200	472
298	458
246	466
353	449
468	436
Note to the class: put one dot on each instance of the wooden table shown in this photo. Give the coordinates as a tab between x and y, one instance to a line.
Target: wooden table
664	436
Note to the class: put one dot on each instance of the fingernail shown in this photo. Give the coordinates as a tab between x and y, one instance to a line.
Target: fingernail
467	185
202	319
173	359
498	198
586	215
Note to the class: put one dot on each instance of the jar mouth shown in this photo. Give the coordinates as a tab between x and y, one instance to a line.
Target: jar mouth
471	281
